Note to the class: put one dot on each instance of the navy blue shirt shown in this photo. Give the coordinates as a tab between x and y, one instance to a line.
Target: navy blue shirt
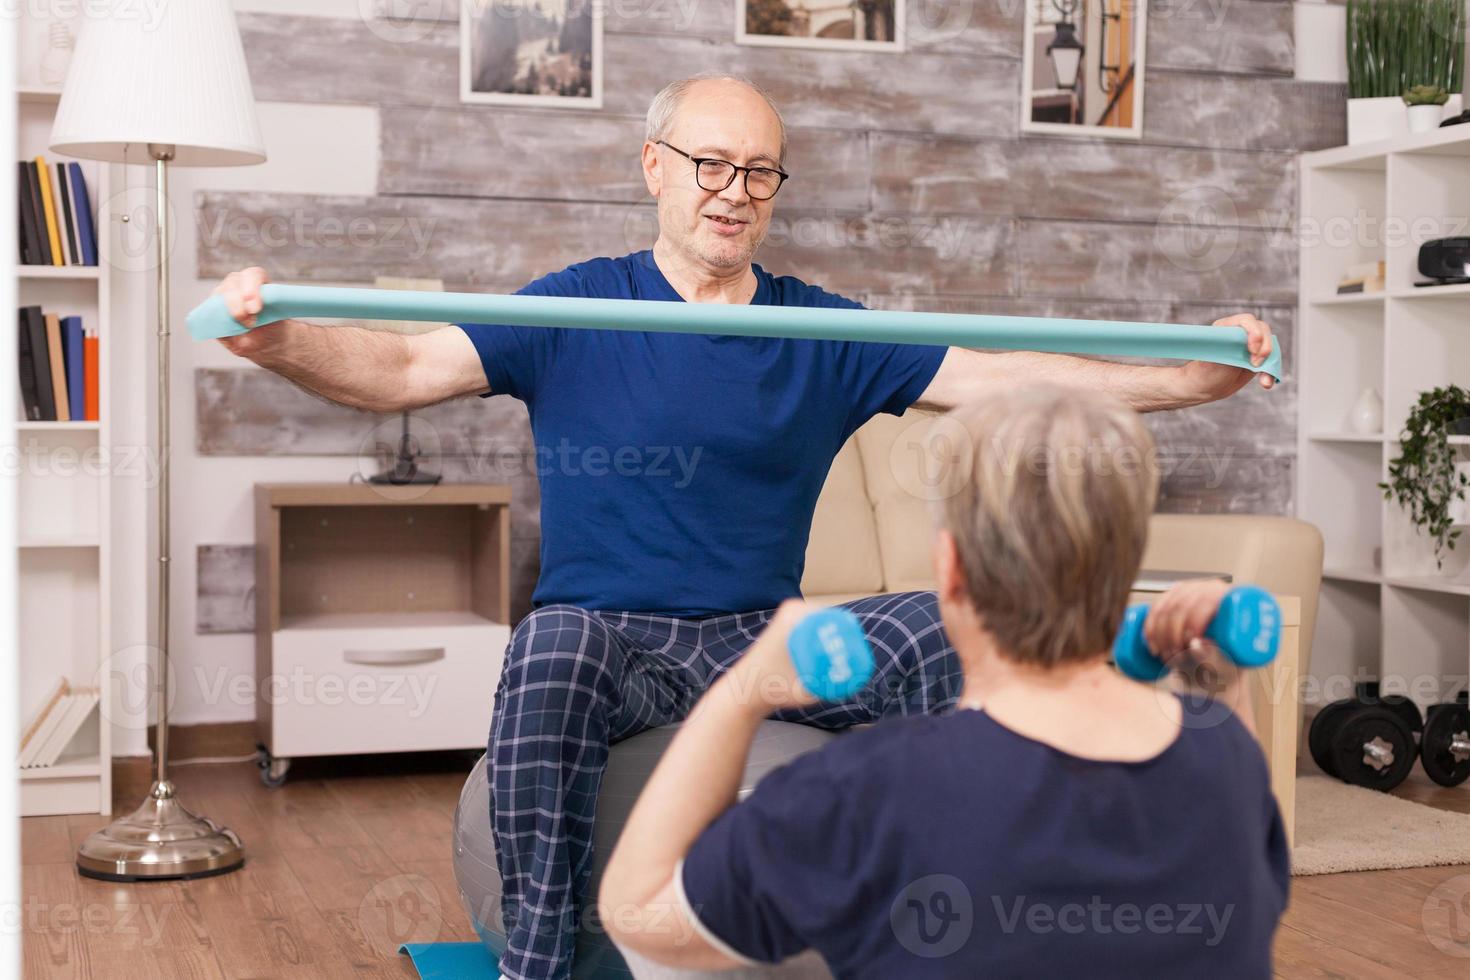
679	472
1000	856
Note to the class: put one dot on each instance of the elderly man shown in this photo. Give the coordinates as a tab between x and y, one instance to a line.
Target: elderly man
655	578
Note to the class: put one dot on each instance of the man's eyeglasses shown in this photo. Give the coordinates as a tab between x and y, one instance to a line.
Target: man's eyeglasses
714	174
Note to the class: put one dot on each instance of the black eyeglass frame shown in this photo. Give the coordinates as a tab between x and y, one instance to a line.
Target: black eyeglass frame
734	172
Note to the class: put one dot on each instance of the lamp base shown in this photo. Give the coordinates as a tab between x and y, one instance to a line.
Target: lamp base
160	841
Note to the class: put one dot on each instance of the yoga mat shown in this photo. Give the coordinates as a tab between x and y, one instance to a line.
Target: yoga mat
1223	345
452	961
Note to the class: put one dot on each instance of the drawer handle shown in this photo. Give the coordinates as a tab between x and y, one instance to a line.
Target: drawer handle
395	658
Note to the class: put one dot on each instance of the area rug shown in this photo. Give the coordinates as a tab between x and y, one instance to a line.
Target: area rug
1348	828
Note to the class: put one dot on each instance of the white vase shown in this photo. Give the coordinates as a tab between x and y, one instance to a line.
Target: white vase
1460	509
1387	117
1423	118
1366	416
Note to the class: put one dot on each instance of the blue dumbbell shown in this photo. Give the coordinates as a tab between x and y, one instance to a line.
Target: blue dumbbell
1247	628
831	654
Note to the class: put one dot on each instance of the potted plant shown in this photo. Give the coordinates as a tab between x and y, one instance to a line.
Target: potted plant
1424	478
1424	103
1393	46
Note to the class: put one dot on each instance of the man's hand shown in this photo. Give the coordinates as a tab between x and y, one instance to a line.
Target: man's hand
1205	381
765	678
241	292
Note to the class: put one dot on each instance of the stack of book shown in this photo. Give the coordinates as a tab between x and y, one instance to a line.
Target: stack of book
58	367
56	223
1365	277
55	724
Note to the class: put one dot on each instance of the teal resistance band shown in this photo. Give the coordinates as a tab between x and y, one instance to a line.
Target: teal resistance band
1223	345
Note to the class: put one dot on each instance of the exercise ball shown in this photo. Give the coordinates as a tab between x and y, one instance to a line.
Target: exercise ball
629	765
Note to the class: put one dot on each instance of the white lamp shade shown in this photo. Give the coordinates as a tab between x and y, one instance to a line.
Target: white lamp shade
176	78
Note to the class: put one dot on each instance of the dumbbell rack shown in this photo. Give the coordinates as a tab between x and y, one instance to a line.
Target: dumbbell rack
1387	611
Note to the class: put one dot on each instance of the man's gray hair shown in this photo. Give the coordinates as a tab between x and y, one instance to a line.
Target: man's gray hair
661	110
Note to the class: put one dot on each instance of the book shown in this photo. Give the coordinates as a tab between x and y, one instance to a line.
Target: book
48	206
61	689
30	399
57	359
30	244
82	204
71	712
40	363
76	366
38	213
45	729
69	228
90	359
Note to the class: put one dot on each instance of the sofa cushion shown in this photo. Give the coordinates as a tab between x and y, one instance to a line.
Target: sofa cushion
899	482
842	553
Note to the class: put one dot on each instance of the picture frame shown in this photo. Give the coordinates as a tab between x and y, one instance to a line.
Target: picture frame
511	53
822	24
1106	43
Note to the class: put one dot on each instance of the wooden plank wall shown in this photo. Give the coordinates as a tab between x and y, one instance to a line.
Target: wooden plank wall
913	190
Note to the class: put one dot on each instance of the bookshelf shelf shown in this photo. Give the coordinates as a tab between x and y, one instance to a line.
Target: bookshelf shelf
1459	291
1346	437
62	541
41	94
58	271
65	556
1348	299
86	767
1386	609
82	426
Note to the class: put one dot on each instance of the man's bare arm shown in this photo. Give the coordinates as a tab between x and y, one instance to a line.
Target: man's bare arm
965	373
373	370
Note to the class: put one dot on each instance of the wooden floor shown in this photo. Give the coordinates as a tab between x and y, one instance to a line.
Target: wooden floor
352	857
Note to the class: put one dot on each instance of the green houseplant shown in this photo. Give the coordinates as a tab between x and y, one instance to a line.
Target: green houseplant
1394	46
1423	478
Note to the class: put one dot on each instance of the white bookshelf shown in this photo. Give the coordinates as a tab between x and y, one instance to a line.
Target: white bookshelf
63	513
1386	610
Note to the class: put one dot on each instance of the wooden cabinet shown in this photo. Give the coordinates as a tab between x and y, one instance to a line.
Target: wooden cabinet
382	616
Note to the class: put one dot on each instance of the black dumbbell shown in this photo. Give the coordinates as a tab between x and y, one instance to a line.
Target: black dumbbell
1444	747
1367	740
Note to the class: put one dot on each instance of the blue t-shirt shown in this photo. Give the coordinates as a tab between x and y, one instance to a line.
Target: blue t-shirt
679	472
1001	856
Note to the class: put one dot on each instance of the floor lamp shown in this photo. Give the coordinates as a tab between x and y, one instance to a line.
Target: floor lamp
173	92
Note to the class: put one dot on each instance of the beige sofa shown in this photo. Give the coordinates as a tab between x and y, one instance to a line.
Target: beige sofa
871	532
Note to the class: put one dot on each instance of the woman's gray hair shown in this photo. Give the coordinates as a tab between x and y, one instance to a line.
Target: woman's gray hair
666	103
1048	495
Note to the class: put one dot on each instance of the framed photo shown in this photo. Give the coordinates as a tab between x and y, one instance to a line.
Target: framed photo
531	52
853	25
1082	67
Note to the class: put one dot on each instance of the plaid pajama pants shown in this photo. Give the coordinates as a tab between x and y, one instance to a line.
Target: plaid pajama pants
577	681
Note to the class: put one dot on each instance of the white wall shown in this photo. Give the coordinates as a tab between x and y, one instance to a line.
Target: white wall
317	149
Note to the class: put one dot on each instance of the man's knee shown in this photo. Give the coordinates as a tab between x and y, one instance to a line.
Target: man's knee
559	645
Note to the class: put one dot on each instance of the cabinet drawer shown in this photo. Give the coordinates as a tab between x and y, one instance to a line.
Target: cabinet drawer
347	690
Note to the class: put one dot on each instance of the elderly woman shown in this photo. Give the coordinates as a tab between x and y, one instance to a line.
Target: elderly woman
1062	821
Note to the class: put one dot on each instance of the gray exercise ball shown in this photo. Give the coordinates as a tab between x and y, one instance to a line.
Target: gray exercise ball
629	765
